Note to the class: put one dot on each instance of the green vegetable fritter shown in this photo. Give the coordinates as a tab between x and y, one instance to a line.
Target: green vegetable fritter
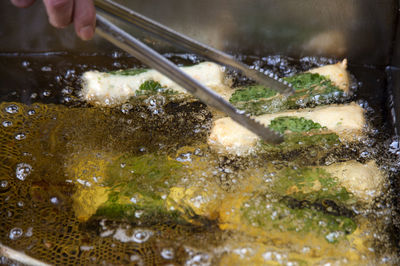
313	184
252	93
139	186
272	215
150	87
310	89
293	124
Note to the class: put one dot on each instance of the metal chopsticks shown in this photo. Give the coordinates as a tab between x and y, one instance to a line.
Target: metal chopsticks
272	81
153	59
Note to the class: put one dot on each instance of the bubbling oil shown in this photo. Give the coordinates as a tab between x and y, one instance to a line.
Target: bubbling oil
45	127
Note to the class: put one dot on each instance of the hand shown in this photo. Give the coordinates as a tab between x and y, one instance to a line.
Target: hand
64	12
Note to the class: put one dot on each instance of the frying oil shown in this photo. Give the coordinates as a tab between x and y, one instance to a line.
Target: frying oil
53	146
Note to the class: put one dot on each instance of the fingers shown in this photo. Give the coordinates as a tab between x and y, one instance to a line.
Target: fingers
63	12
22	3
60	12
84	19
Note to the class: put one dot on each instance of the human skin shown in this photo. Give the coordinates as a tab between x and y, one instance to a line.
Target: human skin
62	13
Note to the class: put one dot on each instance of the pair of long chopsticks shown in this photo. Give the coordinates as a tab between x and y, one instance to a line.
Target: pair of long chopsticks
154	60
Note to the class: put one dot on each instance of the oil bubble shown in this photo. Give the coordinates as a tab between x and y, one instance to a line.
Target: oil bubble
67	90
23	171
54	200
58	79
3	183
20	136
138	236
16	233
274	256
31	112
7	123
332	237
184	157
167	253
26	64
141	236
116	54
134	199
70	74
68	99
4	186
46	68
139	213
29	232
125	108
12	109
197	258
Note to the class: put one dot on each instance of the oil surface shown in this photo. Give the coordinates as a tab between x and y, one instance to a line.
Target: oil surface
47	132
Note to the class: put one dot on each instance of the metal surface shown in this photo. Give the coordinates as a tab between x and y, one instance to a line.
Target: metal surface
177	39
393	72
153	59
360	30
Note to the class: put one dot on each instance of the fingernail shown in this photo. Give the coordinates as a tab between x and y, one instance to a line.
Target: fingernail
57	24
86	33
22	3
